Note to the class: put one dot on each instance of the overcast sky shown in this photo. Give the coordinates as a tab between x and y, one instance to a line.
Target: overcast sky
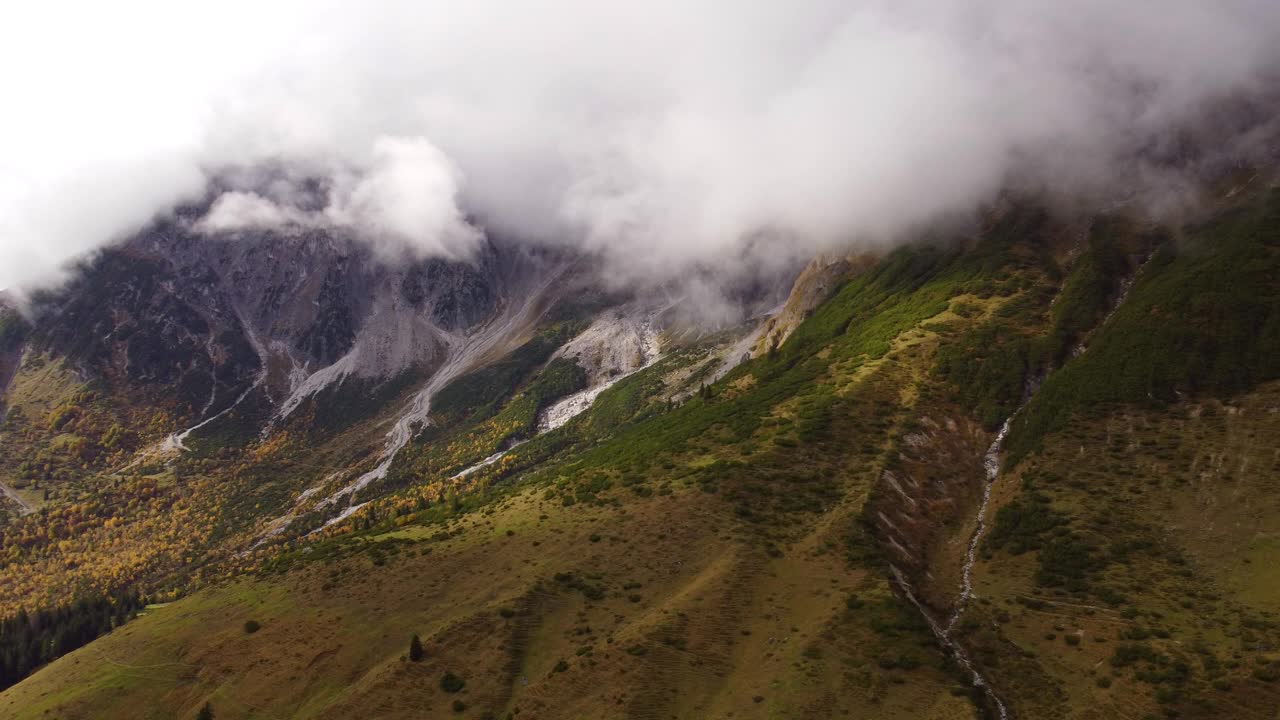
659	132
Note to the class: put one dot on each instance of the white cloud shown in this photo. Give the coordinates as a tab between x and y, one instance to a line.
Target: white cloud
403	200
238	210
406	198
662	133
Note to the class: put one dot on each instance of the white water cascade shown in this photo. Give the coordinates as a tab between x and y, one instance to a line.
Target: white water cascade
944	637
990	463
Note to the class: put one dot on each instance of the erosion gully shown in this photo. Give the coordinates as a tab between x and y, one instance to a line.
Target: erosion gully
991	464
943	632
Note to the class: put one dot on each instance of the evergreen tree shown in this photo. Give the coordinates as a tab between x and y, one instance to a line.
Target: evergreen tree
29	640
206	713
415	649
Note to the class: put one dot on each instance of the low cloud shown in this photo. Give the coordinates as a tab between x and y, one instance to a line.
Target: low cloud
662	135
405	199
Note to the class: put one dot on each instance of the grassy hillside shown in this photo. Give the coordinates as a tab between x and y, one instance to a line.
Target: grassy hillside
701	559
1129	566
730	550
652	609
1118	579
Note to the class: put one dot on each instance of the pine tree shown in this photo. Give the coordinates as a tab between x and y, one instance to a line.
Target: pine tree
415	649
206	713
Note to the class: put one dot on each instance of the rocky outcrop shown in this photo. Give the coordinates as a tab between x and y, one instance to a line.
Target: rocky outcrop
821	277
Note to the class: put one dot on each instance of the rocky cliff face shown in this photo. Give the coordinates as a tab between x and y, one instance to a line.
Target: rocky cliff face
239	336
812	286
203	319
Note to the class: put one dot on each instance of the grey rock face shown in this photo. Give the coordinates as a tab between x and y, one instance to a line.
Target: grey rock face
210	316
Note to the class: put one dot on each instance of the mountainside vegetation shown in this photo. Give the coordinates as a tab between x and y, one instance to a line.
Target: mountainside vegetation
791	536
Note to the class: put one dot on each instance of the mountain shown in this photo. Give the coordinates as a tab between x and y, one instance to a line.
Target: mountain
1024	467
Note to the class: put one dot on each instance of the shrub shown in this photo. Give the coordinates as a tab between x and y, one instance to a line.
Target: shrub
1065	560
1022	525
252	626
1129	653
908	662
206	713
591	592
451	683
